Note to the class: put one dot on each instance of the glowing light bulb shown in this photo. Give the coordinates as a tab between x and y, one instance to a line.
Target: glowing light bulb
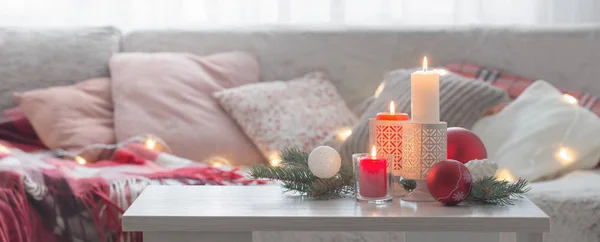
4	149
565	156
80	160
570	99
379	90
343	134
150	143
441	72
504	174
218	161
425	63
275	159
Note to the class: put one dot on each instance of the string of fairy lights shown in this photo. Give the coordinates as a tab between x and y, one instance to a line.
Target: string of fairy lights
149	142
563	153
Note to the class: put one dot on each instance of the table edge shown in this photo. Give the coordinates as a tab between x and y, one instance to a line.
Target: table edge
231	224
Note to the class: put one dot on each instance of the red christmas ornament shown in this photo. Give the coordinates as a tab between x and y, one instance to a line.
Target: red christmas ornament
449	182
464	145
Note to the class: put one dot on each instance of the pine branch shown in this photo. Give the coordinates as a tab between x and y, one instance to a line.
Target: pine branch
294	157
302	188
337	186
282	173
491	191
296	176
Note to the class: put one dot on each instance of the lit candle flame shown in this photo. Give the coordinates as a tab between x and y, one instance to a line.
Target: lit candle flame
570	99
425	63
150	143
392	107
373	151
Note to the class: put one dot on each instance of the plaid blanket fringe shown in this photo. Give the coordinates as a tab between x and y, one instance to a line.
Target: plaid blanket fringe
43	198
72	205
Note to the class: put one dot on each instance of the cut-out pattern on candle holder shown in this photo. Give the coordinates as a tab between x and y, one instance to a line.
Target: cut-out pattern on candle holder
424	145
387	137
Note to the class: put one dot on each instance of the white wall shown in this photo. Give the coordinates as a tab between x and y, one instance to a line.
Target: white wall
136	14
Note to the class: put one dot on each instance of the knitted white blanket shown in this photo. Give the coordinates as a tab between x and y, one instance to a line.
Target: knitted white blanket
573	204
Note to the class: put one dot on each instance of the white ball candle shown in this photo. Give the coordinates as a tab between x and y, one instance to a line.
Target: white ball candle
425	95
324	162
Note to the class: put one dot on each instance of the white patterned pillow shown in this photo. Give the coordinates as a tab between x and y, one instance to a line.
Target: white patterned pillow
300	113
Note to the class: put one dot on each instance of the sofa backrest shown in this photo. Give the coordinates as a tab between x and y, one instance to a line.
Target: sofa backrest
357	58
31	59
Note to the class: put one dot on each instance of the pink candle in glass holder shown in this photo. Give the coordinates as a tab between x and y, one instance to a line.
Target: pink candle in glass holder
373	175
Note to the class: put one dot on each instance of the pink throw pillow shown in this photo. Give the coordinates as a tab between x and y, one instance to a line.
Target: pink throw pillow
72	117
300	113
170	95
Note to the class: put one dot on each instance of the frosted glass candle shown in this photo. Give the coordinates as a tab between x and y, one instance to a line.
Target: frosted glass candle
425	95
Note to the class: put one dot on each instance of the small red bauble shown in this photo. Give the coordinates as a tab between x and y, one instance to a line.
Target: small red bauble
464	145
449	182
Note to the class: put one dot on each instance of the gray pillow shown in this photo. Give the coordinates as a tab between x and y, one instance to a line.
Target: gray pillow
462	102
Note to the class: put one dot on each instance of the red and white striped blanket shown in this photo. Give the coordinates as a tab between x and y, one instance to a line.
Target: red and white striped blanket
43	198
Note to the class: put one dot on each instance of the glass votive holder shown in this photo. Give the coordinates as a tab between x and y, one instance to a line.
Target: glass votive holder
372	178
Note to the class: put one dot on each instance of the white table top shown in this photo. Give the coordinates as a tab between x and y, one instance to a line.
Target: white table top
265	208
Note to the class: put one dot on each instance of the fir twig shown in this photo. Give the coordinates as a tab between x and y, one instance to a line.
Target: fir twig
491	191
296	176
294	157
282	173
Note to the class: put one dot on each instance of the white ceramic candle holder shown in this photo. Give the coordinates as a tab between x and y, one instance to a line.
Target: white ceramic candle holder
386	135
424	144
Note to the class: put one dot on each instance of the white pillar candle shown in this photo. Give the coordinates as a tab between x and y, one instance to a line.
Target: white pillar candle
425	95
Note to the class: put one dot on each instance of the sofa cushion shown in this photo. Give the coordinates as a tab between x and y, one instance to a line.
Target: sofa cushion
515	85
33	59
72	117
278	115
462	101
170	95
540	134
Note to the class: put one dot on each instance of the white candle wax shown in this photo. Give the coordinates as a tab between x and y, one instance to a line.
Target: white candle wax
425	95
